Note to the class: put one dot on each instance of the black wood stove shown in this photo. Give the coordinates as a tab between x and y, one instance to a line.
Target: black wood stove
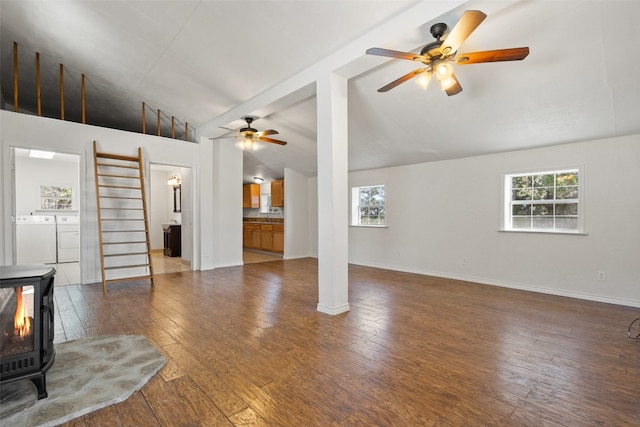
26	324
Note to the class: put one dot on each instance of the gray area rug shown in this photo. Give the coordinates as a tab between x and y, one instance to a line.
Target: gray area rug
88	374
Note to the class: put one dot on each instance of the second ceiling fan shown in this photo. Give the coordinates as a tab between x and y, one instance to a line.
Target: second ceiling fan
249	136
437	56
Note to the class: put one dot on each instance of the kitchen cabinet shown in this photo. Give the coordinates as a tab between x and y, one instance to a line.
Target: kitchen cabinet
172	240
266	232
252	236
278	238
251	196
266	237
277	193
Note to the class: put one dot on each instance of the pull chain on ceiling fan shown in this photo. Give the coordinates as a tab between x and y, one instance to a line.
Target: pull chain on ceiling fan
437	56
250	136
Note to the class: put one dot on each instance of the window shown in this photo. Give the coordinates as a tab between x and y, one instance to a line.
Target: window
368	205
265	204
55	198
543	201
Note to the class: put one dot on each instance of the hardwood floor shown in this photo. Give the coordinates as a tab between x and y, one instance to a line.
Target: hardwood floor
246	346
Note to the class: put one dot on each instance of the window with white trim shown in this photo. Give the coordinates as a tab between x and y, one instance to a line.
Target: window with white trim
55	198
368	205
543	201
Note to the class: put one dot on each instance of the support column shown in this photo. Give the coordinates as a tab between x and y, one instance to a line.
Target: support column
333	286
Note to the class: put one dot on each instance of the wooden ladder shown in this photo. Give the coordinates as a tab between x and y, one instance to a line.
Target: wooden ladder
123	221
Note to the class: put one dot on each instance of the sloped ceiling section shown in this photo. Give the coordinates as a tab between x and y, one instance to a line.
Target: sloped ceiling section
200	60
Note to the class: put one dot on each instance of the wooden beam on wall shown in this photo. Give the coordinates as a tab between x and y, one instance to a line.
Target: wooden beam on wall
83	103
15	77
173	128
38	88
158	122
186	131
61	92
144	120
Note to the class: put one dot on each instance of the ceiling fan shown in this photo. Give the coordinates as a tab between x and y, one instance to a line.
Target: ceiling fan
249	136
437	55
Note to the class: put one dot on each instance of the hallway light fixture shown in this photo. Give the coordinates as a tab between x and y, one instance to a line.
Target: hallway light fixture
174	181
257	180
37	154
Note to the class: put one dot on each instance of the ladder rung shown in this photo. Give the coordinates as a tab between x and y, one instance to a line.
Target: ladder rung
126	279
127	254
125	243
119	186
113	165
119	176
120	197
127	266
116	157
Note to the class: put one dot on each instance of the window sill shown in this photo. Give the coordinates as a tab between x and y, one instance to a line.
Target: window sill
571	233
368	226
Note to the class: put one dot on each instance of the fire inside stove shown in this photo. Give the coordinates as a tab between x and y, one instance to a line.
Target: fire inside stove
26	324
17	331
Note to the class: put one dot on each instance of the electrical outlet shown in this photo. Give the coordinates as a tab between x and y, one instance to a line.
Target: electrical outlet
602	276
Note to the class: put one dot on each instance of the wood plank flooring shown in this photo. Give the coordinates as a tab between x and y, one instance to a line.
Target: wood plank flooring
246	347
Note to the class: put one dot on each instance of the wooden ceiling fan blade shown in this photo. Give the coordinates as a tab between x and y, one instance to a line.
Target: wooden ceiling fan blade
271	140
513	54
266	132
468	22
453	87
401	80
396	54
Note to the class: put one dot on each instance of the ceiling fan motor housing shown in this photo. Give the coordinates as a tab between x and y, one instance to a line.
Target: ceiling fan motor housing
432	50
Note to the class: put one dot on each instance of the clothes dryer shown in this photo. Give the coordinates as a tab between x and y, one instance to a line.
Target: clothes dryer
68	227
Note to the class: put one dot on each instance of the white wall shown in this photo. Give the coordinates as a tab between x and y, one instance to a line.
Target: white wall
443	212
26	131
296	223
31	173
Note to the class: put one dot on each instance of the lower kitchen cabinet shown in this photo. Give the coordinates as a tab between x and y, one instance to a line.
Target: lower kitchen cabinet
278	238
266	237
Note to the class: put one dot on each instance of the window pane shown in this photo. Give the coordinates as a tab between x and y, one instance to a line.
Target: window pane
567	179
567	193
567	223
522	194
545	193
365	196
377	195
543	222
543	180
521	182
518	210
543	210
567	209
521	222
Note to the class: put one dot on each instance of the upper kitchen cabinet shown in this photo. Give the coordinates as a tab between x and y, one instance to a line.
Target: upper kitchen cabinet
277	193
251	196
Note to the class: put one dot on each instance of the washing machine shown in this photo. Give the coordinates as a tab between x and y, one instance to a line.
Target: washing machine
36	239
68	228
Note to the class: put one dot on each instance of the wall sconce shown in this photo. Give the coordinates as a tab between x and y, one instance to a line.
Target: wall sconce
175	182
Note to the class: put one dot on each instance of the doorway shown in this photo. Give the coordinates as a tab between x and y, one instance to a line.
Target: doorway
170	217
47	212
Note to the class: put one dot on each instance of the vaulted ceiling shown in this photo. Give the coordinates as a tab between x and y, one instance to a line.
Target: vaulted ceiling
208	63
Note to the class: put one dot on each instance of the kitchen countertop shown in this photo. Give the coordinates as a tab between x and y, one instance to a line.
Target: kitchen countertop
263	220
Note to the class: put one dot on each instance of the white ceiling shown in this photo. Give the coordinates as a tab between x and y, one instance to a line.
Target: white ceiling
209	63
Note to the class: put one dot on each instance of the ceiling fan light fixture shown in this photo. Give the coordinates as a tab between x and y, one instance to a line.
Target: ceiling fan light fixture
443	71
248	143
447	83
423	79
